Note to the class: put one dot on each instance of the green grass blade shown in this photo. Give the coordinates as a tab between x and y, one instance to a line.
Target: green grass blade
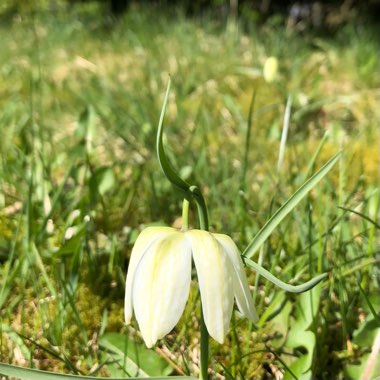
284	134
4	290
288	206
316	154
367	218
369	303
57	196
42	268
247	141
35	374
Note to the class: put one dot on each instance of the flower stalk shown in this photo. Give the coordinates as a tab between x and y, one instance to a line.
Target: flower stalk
185	215
203	224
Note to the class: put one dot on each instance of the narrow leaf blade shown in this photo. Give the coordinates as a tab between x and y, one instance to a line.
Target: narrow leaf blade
35	374
166	167
288	206
288	288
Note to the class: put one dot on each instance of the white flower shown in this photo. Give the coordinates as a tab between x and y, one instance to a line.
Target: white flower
159	276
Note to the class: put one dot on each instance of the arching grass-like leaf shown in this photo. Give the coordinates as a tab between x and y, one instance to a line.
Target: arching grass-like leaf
166	167
35	374
288	206
289	288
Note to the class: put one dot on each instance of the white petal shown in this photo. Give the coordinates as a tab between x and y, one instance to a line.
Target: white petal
215	282
241	289
161	286
144	241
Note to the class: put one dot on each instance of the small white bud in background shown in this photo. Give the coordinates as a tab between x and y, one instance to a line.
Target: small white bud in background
70	232
270	69
50	226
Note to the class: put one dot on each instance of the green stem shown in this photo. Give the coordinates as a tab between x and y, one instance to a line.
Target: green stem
185	215
201	206
204	350
203	224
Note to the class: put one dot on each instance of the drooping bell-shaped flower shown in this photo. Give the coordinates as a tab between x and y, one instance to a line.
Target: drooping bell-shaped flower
159	276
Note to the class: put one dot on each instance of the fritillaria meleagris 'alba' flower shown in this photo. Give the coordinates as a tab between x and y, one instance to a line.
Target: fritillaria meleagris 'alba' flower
159	276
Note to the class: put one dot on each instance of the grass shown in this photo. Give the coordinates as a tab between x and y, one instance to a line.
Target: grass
80	104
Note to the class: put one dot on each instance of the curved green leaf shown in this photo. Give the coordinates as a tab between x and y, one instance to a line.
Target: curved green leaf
166	167
289	288
288	206
35	374
365	217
